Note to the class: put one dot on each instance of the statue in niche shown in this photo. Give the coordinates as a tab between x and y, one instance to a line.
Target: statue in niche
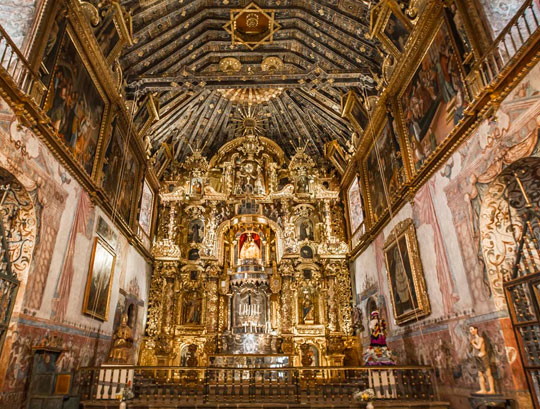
250	249
191	309
302	186
259	184
196	186
196	231
306	230
482	362
308	308
122	342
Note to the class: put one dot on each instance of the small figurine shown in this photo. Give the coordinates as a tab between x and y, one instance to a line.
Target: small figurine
482	361
378	352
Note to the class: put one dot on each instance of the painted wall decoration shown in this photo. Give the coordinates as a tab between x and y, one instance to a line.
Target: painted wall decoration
75	105
405	274
499	13
434	101
98	287
383	170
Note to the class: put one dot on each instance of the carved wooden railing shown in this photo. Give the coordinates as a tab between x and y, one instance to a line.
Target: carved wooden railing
522	30
198	385
18	68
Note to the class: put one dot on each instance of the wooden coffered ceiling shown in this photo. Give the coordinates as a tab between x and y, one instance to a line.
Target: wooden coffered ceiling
178	46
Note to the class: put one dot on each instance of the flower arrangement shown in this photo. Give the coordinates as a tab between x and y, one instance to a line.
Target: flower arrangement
126	393
366	395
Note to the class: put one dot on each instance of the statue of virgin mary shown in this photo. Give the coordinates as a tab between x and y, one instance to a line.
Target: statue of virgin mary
250	250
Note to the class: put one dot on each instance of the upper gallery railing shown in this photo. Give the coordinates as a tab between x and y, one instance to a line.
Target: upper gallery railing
521	30
16	65
335	385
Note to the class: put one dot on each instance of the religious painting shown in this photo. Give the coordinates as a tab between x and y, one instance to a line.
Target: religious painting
249	246
107	35
355	207
305	229
196	231
114	31
306	252
75	105
147	208
408	292
120	173
113	160
307	307
98	286
383	169
434	101
191	308
52	47
147	113
106	232
396	33
353	109
459	33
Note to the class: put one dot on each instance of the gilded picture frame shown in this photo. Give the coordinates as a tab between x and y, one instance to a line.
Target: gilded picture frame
146	115
356	211
383	170
99	283
408	293
423	136
70	144
114	32
353	109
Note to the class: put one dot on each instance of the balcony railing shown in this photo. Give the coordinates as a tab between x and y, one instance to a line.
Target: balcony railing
18	68
203	385
522	30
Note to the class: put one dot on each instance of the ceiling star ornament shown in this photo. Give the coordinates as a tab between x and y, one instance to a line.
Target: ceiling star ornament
252	26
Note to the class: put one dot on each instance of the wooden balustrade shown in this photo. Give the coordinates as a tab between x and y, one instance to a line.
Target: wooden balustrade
521	30
18	68
203	385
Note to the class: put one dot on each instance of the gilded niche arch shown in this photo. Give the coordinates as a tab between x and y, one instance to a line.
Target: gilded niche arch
500	220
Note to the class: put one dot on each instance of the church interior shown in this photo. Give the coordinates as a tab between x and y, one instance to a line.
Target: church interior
270	204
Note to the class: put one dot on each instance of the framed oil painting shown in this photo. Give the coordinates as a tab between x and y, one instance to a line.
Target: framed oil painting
355	208
99	283
434	100
383	170
147	113
395	33
146	211
353	109
120	172
113	159
114	32
408	292
76	105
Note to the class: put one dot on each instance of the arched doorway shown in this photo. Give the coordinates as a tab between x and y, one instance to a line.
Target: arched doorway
510	234
17	238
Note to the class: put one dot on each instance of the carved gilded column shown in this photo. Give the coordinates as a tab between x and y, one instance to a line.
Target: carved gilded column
287	296
212	300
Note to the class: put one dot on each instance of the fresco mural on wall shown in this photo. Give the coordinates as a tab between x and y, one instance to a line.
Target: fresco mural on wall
435	99
383	169
75	105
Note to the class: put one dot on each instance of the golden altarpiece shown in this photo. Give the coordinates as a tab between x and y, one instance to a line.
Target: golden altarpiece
251	266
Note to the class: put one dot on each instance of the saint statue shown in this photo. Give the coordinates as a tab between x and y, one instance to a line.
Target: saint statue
482	361
378	352
307	308
122	342
250	250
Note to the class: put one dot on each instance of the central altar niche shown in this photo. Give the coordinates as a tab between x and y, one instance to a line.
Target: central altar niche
251	330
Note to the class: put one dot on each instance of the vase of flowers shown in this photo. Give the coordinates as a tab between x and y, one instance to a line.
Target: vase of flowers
366	395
